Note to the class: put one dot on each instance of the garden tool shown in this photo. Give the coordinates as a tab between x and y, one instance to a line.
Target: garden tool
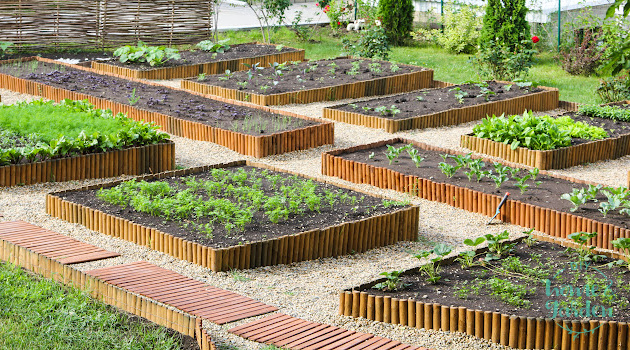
499	207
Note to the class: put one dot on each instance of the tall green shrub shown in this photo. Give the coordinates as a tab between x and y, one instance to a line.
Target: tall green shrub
505	24
397	19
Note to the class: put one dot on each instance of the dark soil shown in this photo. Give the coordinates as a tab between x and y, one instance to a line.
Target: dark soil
306	76
550	261
546	195
260	228
435	100
200	56
159	99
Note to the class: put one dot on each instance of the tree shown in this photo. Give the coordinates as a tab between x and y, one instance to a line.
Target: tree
620	59
397	19
505	24
268	13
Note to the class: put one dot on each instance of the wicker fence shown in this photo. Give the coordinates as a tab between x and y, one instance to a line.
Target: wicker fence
52	24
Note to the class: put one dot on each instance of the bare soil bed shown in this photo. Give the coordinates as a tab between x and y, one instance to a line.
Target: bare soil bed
296	76
423	102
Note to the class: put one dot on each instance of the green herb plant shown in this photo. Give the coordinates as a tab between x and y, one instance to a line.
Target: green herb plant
141	53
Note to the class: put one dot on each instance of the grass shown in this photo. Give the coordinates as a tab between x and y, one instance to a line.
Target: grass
447	66
51	121
41	314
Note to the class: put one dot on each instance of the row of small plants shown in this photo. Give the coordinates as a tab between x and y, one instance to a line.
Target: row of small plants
158	55
473	168
606	112
296	73
230	200
41	130
617	198
536	133
505	277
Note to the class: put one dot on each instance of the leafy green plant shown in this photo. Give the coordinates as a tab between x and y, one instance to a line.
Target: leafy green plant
606	112
623	244
577	197
497	243
210	46
415	157
537	133
448	169
585	252
133	99
372	43
141	53
520	182
227	76
615	198
432	270
392	282
498	62
459	94
4	47
384	110
501	174
397	19
530	240
393	152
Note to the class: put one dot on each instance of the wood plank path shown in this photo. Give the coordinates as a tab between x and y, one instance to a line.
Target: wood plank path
50	244
189	295
293	333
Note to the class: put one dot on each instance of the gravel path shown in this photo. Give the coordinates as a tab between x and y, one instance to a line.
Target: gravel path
310	289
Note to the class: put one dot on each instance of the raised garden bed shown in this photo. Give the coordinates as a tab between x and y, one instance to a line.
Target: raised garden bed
193	63
454	104
339	222
540	207
245	128
526	298
306	82
42	142
581	151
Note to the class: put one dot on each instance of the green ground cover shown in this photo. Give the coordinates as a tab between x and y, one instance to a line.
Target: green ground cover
37	313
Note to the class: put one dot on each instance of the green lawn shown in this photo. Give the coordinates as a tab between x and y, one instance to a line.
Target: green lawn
41	314
448	67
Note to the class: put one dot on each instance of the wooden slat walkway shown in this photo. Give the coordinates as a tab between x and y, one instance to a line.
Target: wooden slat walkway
189	295
50	244
293	333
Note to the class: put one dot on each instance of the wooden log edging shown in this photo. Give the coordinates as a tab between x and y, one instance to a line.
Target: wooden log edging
549	221
356	236
192	70
590	152
380	86
154	158
538	101
256	146
135	304
518	332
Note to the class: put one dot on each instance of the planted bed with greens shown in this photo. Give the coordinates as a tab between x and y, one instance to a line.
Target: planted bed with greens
526	186
37	131
233	206
155	98
528	278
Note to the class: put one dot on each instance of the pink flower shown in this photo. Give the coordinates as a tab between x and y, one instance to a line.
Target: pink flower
535	39
317	4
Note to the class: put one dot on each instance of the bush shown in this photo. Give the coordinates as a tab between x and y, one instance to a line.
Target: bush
461	30
397	18
584	58
504	23
614	89
497	62
372	43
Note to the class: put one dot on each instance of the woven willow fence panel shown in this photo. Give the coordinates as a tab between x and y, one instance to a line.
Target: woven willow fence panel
37	24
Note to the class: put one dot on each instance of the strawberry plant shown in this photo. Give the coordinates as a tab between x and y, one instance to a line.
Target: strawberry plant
141	53
210	46
392	282
432	270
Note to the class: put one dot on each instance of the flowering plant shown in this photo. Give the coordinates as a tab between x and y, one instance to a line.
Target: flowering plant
535	39
335	10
